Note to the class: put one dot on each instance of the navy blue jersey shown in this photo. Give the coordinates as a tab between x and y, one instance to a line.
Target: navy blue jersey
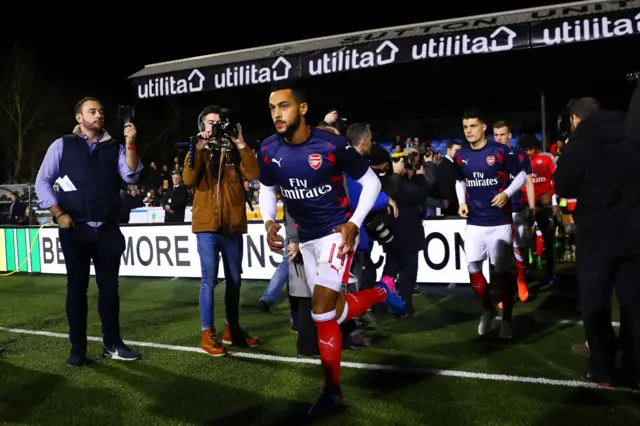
310	177
487	172
519	199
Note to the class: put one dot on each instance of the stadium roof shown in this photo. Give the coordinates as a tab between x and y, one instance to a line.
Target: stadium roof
525	28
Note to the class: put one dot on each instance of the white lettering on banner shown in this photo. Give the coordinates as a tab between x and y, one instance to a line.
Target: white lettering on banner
500	40
244	75
537	179
171	251
165	86
591	29
353	59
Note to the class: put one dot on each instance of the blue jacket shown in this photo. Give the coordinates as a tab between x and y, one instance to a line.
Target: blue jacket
355	189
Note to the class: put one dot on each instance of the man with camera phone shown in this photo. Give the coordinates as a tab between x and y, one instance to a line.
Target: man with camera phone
218	161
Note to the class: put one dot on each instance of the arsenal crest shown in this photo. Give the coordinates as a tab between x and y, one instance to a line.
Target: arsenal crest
491	160
315	161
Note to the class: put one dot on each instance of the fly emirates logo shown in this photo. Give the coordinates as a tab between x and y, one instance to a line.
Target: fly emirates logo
538	179
300	190
480	181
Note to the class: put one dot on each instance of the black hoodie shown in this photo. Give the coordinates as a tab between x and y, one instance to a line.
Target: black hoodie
600	166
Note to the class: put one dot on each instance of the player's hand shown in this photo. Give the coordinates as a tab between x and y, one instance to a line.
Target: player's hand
293	249
463	210
531	217
393	207
500	200
349	233
275	241
130	134
239	141
65	221
556	210
545	198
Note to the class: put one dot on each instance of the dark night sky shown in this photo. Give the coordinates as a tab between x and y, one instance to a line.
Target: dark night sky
98	61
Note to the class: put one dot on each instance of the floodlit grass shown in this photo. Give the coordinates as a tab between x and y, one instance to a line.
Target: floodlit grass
175	387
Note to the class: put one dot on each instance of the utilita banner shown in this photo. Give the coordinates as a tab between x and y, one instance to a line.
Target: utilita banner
552	27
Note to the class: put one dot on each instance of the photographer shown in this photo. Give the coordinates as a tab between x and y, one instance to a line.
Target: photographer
412	190
215	167
599	167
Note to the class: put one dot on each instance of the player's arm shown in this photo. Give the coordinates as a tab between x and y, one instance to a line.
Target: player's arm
514	167
357	167
461	187
267	198
529	187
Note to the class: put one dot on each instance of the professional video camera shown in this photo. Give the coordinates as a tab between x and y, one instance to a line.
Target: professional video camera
222	133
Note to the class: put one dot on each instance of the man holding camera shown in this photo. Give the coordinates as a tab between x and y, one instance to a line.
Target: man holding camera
411	191
219	221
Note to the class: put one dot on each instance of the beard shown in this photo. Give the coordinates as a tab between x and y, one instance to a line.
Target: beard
291	128
95	126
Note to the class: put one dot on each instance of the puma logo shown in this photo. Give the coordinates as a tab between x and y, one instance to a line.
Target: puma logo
273	160
466	162
337	270
329	343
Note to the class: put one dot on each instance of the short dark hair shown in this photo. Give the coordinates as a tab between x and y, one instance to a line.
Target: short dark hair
453	142
583	107
500	124
294	85
81	102
528	141
473	113
356	132
210	109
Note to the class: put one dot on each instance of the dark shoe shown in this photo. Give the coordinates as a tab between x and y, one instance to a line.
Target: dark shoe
77	357
606	382
264	306
120	352
327	403
237	337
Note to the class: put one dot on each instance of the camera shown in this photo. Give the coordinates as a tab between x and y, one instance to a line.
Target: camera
379	226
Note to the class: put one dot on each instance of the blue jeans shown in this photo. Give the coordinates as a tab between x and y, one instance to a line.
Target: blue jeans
210	248
280	277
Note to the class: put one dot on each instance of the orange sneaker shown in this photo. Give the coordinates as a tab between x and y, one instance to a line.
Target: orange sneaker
210	343
239	338
523	291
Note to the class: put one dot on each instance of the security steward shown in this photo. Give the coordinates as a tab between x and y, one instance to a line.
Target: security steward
599	167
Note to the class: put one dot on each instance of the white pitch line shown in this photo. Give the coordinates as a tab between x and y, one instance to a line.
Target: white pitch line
354	365
571	322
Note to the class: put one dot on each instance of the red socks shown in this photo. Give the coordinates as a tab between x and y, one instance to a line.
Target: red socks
539	244
330	345
479	284
360	302
522	270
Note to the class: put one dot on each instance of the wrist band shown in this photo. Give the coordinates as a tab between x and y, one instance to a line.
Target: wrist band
60	215
131	147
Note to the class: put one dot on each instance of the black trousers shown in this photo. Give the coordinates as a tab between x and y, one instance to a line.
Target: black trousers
405	267
547	224
104	246
597	278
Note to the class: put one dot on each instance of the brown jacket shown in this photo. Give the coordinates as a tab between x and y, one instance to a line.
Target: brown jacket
226	214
